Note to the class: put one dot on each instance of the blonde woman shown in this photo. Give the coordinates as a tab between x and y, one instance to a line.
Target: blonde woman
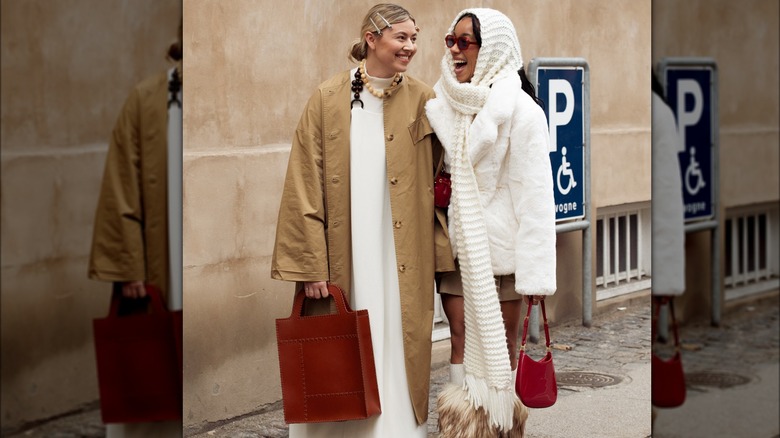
137	232
357	210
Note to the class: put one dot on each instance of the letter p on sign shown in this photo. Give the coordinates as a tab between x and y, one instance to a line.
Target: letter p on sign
687	118
559	117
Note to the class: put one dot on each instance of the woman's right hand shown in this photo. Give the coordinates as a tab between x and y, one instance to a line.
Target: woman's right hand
133	289
316	289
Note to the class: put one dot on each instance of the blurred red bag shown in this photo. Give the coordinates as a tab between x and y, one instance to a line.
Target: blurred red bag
668	379
139	363
535	384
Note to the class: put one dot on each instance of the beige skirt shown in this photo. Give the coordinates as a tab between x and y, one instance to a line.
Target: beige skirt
505	285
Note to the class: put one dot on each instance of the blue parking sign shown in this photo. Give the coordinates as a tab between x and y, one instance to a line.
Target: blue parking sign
689	93
561	90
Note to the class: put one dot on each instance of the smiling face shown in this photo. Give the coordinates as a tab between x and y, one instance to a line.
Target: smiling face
392	51
465	60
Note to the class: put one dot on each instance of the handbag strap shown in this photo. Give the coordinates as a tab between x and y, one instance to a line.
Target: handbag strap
334	291
660	301
440	163
525	326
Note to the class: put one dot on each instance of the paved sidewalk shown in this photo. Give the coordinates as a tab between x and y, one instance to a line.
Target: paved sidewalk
616	346
604	382
731	376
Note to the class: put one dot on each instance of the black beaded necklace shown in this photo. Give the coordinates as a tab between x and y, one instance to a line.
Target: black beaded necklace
361	78
174	85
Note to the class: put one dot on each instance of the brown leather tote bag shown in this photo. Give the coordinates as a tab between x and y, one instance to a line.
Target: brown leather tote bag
327	363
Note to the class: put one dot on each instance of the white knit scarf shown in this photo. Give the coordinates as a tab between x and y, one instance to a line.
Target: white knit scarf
486	360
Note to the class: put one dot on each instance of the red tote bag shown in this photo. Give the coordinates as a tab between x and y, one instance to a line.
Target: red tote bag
139	363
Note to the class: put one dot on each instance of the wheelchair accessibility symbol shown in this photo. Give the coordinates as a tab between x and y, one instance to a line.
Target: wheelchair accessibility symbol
565	170
694	180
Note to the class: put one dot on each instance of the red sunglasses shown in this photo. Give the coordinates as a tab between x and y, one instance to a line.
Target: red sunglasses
463	42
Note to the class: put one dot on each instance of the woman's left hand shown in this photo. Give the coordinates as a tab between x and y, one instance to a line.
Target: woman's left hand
533	299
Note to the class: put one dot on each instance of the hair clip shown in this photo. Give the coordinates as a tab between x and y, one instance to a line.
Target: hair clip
389	26
378	30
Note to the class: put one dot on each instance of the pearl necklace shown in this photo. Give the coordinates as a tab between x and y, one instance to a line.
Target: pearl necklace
361	78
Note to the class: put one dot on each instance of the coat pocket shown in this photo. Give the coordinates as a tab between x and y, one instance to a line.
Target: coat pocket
420	128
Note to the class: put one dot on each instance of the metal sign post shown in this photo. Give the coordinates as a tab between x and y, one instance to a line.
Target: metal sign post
563	84
691	87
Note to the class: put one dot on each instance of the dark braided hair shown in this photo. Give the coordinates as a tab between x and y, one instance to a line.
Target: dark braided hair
658	88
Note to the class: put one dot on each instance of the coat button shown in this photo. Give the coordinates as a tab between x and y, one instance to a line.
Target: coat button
397	224
153	179
335	223
390	137
335	180
393	181
402	268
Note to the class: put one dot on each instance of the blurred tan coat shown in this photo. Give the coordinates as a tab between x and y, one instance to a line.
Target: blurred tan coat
130	237
313	238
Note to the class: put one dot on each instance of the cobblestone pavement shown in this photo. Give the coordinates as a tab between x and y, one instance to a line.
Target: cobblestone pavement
617	341
748	331
731	375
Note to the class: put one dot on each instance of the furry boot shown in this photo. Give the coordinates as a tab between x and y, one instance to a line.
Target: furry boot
458	419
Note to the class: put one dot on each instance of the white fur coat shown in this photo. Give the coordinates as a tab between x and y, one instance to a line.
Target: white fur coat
668	242
509	149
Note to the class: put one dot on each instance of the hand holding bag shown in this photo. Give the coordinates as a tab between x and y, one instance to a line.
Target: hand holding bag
327	363
535	384
668	379
139	363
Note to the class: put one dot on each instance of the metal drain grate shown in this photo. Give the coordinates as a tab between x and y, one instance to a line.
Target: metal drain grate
591	380
715	379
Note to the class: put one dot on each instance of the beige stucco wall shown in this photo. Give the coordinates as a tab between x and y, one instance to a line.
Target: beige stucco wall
744	40
66	70
250	67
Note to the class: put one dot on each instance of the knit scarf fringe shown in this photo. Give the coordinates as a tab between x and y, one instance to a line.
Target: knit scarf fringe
493	400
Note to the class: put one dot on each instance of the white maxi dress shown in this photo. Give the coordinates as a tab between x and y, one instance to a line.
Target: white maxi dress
374	280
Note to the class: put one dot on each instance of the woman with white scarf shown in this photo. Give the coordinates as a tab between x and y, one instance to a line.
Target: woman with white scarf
501	219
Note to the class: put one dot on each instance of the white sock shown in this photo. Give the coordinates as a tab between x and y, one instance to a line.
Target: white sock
457	373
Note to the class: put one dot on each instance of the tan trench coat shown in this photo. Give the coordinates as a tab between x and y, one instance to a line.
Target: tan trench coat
313	239
130	237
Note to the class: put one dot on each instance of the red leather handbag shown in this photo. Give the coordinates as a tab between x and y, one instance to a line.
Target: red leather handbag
327	363
535	384
139	363
442	189
668	378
